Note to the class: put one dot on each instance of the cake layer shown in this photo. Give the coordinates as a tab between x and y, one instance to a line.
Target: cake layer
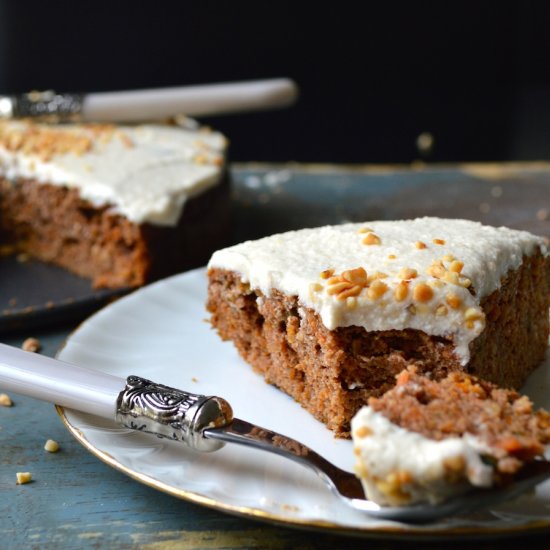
54	224
333	339
426	440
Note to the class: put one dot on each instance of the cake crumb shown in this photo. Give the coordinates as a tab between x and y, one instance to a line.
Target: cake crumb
23	477
22	257
51	446
5	400
31	344
194	379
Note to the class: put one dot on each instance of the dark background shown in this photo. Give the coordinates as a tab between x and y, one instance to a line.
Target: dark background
473	74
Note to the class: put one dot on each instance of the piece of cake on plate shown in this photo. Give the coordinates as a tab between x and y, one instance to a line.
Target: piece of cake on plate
122	205
331	315
426	441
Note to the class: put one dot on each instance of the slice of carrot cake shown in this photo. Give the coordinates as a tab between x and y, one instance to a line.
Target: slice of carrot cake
331	315
425	440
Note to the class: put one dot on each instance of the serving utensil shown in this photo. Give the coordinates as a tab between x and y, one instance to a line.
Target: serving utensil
206	423
155	103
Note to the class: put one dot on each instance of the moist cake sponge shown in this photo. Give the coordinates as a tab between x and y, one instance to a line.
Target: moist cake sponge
426	441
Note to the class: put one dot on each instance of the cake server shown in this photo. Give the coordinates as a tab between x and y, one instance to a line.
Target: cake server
153	104
206	423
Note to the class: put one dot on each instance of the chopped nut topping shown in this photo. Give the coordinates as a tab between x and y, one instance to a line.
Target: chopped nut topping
337	287
315	287
349	284
456	266
441	310
436	270
420	245
51	446
349	292
125	139
407	273
450	277
377	290
453	300
365	230
448	257
327	273
357	276
392	257
23	477
401	291
363	431
422	292
44	141
473	314
371	239
439	241
5	400
463	281
351	302
31	344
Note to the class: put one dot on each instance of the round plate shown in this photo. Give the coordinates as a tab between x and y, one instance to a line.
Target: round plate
34	293
160	333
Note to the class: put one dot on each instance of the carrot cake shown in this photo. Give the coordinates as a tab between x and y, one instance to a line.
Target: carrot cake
331	315
121	205
426	441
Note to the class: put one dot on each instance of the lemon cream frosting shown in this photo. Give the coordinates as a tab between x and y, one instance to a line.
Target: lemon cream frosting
144	172
428	274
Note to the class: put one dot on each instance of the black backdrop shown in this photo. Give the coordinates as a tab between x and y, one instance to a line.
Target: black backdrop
473	74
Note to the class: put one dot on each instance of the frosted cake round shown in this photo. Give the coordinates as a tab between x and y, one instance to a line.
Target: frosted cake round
121	205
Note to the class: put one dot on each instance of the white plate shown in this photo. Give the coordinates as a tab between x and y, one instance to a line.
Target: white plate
160	333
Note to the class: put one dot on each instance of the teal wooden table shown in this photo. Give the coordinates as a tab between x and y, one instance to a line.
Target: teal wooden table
76	501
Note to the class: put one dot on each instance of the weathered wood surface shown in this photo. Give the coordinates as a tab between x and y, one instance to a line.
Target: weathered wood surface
76	501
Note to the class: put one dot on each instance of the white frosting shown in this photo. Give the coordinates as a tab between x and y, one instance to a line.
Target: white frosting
388	450
292	262
145	172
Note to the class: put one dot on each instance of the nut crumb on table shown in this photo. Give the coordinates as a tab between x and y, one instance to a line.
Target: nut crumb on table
23	477
5	400
51	446
32	345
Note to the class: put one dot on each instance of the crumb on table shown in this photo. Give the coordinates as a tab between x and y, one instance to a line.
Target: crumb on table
51	446
23	477
31	344
5	400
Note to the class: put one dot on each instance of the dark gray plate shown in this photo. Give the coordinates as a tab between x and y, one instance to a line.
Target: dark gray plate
33	293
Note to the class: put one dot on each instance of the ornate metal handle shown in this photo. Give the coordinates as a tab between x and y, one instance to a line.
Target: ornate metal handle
170	413
47	104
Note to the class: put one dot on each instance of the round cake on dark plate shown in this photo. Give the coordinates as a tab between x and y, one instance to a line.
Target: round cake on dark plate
121	205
